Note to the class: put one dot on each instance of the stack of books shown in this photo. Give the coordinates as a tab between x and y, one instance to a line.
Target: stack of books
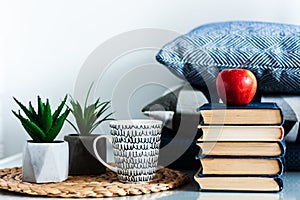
241	148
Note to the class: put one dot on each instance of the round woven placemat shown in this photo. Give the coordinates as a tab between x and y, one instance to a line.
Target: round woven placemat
105	185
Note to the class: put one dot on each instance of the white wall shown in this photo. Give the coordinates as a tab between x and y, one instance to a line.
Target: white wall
43	44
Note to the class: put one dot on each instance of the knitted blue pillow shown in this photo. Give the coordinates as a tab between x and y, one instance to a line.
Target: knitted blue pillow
273	51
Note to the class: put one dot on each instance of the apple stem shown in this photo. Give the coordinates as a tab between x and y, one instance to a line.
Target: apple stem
246	63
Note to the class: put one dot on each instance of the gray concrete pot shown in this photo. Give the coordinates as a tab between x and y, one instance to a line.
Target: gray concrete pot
82	157
45	162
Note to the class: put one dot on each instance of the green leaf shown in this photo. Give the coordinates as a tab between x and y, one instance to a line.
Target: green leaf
40	109
31	109
77	110
88	94
106	118
73	126
97	103
32	134
46	120
91	121
32	129
51	135
59	109
78	115
89	113
27	112
104	107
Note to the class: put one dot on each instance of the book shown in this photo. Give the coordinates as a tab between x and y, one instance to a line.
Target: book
253	113
241	166
241	147
239	183
231	149
240	133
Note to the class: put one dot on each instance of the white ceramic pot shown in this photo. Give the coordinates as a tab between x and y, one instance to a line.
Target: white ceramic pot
45	162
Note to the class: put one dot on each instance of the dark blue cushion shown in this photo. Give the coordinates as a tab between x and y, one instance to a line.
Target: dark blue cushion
273	50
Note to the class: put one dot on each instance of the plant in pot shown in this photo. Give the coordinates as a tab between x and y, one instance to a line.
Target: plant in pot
44	159
82	157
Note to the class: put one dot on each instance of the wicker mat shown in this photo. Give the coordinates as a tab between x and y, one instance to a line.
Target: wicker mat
105	185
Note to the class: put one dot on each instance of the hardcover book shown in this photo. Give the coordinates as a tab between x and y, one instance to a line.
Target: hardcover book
251	114
239	183
236	166
240	133
236	148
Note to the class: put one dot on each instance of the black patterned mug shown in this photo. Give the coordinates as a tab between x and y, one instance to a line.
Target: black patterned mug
135	147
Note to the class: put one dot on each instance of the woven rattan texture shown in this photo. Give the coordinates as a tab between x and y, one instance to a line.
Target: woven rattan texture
105	185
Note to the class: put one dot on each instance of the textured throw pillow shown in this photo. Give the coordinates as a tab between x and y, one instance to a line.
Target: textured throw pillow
272	49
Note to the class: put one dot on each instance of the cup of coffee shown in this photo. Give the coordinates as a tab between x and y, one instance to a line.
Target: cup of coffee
135	147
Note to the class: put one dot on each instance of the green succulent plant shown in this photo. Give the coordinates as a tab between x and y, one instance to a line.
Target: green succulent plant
42	126
89	117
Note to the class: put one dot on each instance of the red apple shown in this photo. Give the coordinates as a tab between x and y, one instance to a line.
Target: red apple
236	86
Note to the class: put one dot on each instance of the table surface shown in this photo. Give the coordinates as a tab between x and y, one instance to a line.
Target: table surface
291	189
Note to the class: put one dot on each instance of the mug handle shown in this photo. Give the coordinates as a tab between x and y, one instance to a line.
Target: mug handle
109	138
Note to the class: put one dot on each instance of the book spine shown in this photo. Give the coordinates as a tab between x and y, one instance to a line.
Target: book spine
279	182
222	106
283	146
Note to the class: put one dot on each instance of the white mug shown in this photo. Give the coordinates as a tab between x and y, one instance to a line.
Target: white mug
135	148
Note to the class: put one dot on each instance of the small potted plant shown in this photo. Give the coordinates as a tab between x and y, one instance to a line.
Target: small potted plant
82	158
44	160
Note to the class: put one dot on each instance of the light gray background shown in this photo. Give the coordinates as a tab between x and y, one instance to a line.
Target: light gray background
43	45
